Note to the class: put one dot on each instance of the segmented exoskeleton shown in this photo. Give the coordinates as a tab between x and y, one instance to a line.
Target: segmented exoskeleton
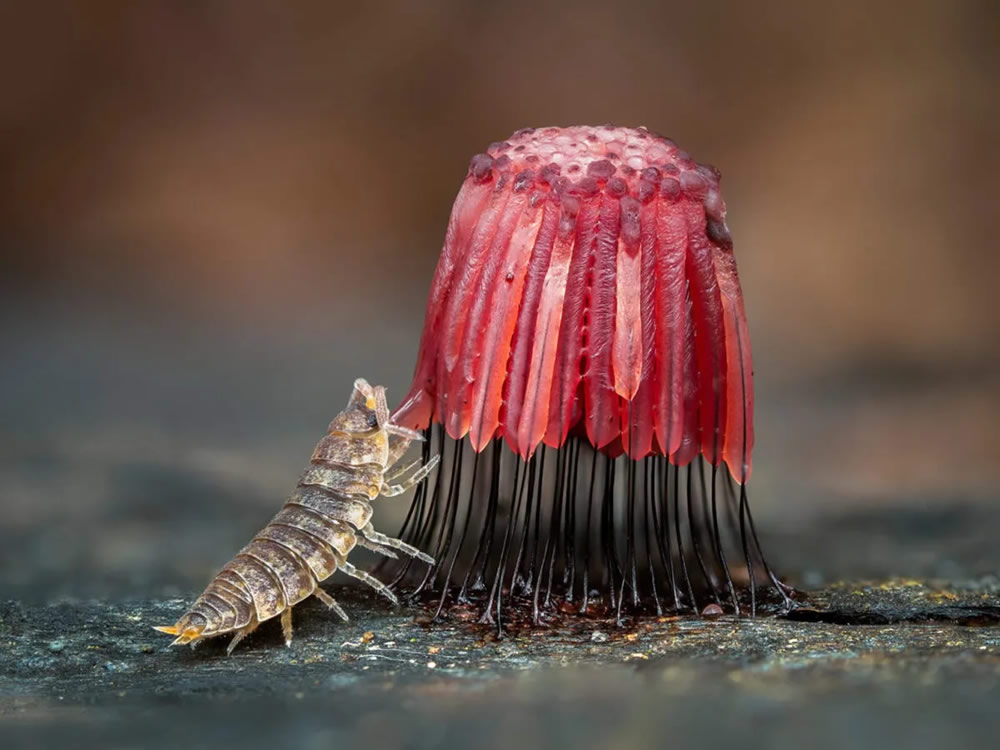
310	538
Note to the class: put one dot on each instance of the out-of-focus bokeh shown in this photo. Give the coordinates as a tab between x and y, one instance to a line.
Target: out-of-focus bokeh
214	216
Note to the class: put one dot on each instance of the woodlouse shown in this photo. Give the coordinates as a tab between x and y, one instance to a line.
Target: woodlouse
320	523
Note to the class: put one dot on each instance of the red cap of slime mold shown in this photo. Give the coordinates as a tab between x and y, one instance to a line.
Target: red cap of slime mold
587	287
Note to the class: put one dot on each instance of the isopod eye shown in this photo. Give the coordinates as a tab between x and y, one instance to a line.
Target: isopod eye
366	411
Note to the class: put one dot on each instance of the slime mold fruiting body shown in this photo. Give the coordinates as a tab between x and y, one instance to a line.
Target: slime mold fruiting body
586	327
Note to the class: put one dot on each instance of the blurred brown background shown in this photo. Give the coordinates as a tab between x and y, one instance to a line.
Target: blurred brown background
213	216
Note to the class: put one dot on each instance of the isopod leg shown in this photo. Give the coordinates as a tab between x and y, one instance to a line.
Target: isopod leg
397	448
240	635
375	547
286	625
399	471
369	534
418	476
371	580
399	442
330	602
404	432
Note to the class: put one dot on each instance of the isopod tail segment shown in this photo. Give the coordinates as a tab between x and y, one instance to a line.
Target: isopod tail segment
321	522
586	342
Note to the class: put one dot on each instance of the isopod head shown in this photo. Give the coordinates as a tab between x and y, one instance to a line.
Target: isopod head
355	437
366	410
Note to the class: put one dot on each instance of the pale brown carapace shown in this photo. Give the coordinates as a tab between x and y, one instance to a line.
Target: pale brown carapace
325	517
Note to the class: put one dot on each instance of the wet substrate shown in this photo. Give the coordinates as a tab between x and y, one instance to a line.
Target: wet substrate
96	674
520	615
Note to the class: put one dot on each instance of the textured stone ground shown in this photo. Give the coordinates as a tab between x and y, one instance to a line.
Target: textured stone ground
900	662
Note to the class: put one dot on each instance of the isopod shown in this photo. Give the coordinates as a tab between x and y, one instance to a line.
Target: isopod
310	538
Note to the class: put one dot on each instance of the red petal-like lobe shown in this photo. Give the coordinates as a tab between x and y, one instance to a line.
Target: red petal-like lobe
690	441
738	433
417	408
671	321
524	334
566	374
465	291
602	406
496	338
638	422
538	330
627	353
709	332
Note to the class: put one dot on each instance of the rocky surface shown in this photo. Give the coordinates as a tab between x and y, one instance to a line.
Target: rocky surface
899	662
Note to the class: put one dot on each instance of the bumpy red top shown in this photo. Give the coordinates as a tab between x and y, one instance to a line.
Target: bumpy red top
587	286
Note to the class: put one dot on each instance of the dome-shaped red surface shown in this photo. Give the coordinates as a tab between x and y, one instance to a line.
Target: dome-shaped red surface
587	286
